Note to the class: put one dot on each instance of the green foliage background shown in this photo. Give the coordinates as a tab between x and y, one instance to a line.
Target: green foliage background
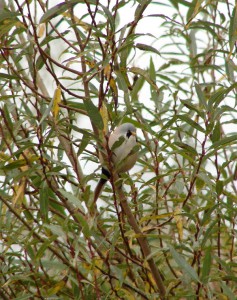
68	71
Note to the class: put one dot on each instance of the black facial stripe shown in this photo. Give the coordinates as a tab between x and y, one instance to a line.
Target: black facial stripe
128	134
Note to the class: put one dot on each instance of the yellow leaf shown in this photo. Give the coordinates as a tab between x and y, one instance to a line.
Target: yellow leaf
105	117
223	297
107	71
55	289
19	193
4	156
3	218
112	82
19	190
56	101
151	280
91	63
41	30
79	22
179	222
155	217
113	85
28	155
128	294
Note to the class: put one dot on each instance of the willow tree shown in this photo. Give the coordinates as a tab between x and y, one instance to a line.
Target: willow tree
70	73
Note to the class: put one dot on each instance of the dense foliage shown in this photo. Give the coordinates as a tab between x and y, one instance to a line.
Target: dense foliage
71	71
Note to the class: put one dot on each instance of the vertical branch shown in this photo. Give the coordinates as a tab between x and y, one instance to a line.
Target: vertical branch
190	191
142	240
218	214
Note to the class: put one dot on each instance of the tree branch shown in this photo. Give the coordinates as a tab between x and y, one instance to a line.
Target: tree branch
142	240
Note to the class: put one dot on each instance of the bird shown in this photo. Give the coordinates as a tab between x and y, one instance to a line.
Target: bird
122	142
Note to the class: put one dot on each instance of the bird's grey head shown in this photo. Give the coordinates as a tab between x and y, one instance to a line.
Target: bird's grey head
125	128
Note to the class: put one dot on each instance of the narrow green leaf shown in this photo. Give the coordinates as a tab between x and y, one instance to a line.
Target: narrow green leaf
233	28
44	199
152	70
30	252
200	183
84	142
55	204
192	123
207	214
223	142
145	74
219	187
119	274
189	149
184	266
205	176
190	106
44	247
147	48
124	85
14	165
206	267
209	232
72	199
25	297
140	8
230	67
54	12
193	42
94	114
229	294
56	230
28	215
207	26
4	15
155	217
137	86
57	10
194	8
84	224
41	60
219	95
8	76
109	17
7	113
221	110
123	81
127	45
216	134
46	111
201	96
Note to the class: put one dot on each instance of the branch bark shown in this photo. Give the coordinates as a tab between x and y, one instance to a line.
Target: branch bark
142	240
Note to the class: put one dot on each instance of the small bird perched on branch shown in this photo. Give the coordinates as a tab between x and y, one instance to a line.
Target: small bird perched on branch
121	143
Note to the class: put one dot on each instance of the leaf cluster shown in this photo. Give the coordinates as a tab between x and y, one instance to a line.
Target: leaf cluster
70	73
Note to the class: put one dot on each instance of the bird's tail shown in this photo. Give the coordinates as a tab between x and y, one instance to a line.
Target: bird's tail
101	183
